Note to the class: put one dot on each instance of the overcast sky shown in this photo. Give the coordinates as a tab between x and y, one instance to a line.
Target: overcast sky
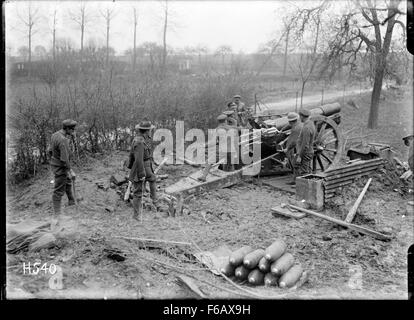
243	25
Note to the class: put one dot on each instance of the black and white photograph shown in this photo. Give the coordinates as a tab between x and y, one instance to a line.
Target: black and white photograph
208	150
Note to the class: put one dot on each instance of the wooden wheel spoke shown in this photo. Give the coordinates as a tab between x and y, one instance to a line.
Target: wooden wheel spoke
314	164
326	134
330	150
322	130
331	141
326	157
320	162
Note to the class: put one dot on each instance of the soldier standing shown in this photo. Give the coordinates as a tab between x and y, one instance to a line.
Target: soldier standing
292	141
408	141
241	110
305	143
60	154
141	162
230	148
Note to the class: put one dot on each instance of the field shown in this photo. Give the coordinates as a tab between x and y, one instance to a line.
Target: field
233	217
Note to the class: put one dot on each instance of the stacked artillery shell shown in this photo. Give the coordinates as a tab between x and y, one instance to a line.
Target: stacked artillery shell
271	267
283	270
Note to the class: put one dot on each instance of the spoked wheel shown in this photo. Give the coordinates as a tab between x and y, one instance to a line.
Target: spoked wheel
327	145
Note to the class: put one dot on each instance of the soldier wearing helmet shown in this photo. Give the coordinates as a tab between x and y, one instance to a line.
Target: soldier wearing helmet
291	143
140	163
305	143
60	156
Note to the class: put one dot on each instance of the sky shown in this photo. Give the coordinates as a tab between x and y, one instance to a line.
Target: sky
243	25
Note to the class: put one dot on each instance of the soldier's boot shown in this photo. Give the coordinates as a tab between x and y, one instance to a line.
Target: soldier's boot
69	193
57	205
136	204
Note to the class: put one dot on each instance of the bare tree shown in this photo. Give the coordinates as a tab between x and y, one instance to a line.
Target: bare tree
82	18
108	14
164	37
54	35
351	38
30	21
223	51
134	57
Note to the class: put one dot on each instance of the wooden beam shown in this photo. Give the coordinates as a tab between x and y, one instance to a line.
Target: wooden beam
155	240
351	214
351	226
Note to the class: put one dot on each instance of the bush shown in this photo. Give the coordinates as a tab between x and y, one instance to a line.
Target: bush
107	107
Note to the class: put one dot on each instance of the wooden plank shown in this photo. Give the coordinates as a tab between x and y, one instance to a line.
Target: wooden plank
351	226
356	165
278	210
349	173
280	183
351	214
329	184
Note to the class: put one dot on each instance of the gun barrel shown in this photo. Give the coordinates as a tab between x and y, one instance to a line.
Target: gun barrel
324	110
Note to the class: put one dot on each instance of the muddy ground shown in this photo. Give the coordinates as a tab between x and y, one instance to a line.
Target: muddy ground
233	217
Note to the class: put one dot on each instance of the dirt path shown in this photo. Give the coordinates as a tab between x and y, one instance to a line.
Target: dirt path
308	101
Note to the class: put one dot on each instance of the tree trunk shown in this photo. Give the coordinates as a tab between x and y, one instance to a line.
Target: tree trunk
164	53
376	93
107	42
286	50
30	52
301	94
134	57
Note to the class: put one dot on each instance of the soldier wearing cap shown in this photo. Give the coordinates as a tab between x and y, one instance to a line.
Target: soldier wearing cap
60	156
291	143
141	166
230	148
305	143
242	111
408	141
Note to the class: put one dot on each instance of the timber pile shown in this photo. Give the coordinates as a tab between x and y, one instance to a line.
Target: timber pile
339	177
273	266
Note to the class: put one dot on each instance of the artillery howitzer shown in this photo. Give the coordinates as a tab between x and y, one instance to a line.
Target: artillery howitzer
275	130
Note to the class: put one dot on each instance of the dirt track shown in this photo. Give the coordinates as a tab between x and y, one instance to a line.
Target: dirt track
236	216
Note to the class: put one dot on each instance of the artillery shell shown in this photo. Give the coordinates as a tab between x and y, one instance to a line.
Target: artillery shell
291	276
264	265
256	277
228	269
251	260
275	250
283	264
270	279
236	258
241	272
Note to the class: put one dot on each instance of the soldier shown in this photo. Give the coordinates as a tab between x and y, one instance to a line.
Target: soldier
408	141
60	156
305	143
241	110
141	167
291	143
231	153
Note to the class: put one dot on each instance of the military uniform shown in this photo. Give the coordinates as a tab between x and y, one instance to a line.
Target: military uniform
292	141
141	162
60	156
305	145
231	148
